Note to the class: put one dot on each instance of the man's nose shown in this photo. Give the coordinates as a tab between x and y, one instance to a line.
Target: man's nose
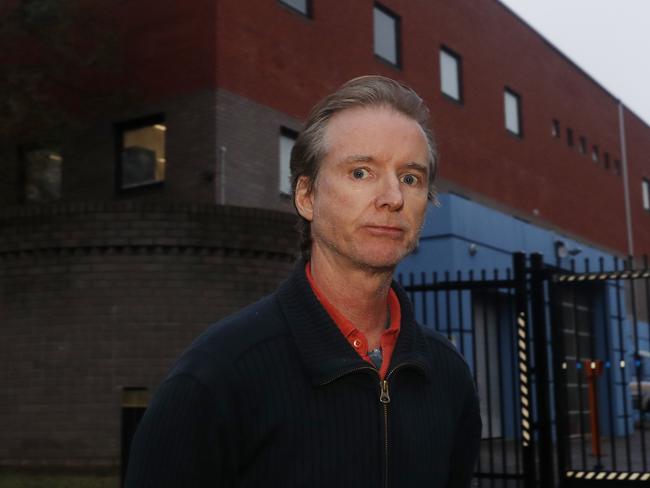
390	194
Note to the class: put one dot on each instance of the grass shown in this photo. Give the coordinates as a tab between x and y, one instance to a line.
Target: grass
21	480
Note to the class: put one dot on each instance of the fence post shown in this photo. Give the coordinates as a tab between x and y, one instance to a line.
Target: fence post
542	379
525	384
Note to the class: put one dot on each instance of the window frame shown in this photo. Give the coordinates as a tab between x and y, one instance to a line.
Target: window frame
289	134
595	154
119	129
556	129
398	35
308	14
583	146
520	122
459	73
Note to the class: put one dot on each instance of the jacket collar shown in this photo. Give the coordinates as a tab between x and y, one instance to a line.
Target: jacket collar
324	351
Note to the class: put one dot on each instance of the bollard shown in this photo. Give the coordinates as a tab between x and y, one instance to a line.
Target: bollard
134	403
593	369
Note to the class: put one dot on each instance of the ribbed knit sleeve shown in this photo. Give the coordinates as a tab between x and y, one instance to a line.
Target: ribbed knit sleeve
177	442
467	441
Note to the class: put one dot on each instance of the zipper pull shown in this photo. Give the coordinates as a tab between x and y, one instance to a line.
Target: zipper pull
384	397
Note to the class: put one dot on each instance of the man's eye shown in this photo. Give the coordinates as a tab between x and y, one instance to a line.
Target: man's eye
410	179
360	174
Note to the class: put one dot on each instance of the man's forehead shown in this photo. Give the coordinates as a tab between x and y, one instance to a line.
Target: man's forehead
364	132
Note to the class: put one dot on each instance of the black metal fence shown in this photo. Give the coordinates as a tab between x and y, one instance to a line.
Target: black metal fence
521	328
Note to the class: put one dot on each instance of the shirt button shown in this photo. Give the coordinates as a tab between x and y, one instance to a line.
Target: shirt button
356	343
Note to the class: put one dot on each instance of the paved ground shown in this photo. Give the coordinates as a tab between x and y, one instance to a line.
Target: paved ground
617	454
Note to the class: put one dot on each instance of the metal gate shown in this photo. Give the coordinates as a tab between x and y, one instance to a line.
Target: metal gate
521	328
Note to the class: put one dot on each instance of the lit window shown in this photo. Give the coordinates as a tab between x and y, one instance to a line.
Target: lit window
583	145
386	34
450	74
287	139
645	189
301	6
555	128
569	137
512	108
142	157
594	154
43	170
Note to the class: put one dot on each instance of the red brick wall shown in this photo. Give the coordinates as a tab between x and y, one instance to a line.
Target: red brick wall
638	155
97	297
301	59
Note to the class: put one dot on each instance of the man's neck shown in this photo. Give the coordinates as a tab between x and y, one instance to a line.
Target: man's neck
359	293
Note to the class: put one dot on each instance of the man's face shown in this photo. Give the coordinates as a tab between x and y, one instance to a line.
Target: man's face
368	202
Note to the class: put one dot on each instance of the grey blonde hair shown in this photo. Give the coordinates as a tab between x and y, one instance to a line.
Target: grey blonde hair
365	91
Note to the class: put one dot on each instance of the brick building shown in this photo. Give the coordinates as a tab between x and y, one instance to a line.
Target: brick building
121	244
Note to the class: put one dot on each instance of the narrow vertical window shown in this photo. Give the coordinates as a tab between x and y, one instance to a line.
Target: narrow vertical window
606	160
555	128
301	6
43	169
569	136
595	157
617	167
512	110
450	74
386	34
583	145
286	141
645	189
141	152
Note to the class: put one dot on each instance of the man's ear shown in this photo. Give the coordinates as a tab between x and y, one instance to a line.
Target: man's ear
304	198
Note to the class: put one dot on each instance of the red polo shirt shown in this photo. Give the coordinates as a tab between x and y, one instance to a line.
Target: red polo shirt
355	337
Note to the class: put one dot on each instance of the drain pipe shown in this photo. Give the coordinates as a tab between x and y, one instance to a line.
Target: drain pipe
626	185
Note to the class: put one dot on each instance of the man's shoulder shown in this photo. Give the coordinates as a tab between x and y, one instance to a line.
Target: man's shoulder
440	346
217	350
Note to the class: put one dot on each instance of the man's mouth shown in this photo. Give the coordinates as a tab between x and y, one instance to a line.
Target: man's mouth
385	231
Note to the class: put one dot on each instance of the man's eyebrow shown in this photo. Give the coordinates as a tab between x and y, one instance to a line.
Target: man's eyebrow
417	166
358	158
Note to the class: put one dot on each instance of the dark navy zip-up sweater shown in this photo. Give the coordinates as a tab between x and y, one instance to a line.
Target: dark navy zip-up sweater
275	396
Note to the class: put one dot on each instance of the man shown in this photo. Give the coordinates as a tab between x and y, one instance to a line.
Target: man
329	381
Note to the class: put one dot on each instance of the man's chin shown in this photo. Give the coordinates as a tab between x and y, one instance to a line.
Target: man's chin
382	262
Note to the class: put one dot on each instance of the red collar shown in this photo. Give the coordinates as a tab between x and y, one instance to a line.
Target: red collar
354	336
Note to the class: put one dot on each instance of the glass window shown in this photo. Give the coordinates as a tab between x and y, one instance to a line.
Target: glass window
606	160
645	189
386	34
555	128
142	153
450	74
583	145
512	108
569	137
43	169
594	154
287	139
301	6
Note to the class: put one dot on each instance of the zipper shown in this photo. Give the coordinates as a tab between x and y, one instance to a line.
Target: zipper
384	399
